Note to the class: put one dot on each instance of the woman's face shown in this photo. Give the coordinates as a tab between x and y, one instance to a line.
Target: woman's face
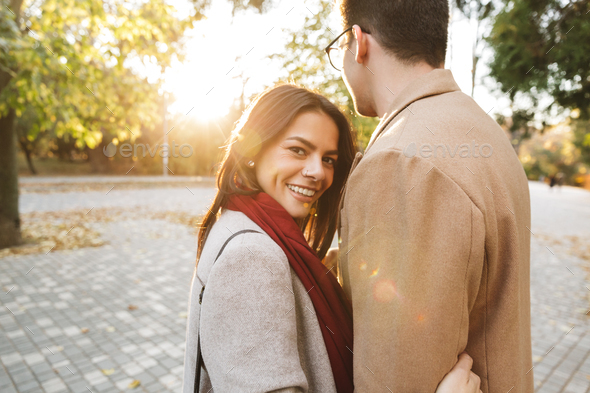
297	166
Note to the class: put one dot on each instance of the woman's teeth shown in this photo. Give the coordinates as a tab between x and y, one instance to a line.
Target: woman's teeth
302	191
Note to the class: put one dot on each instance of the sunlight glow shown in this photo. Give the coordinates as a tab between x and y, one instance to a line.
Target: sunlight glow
227	59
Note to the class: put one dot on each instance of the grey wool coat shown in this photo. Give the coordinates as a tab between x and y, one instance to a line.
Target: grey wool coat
259	331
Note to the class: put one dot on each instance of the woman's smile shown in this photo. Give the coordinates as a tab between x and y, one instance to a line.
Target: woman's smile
301	194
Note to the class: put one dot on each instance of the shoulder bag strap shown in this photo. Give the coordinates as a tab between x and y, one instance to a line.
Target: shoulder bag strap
199	355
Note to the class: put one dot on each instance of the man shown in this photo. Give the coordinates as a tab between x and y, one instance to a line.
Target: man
435	221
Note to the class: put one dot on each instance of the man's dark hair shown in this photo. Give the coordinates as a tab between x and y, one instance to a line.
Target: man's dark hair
412	30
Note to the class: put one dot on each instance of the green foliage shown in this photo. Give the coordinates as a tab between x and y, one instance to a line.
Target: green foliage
307	64
541	49
74	64
581	138
70	67
475	9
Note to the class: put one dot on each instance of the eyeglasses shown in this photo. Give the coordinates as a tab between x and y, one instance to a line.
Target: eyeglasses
336	54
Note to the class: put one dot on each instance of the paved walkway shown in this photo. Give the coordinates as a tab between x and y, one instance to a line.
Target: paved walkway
111	179
112	318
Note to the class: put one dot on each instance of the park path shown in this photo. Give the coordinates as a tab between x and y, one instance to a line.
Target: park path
99	319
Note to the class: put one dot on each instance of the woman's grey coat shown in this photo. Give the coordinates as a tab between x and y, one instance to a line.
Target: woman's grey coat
259	330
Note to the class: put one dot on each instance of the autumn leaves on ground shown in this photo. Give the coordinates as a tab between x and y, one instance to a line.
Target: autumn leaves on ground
44	232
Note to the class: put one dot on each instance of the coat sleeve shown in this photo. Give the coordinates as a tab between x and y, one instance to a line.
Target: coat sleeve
412	265
248	324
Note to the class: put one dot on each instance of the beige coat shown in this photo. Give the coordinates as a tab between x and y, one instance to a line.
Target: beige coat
259	330
435	247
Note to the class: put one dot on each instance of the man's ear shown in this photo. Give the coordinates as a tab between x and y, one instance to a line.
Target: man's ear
361	44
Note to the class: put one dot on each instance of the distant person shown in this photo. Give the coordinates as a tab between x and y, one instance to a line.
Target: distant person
435	231
265	314
552	181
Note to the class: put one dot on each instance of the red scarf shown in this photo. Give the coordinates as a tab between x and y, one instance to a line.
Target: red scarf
333	309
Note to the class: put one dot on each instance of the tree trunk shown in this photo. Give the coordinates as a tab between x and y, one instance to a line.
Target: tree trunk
474	70
475	56
99	163
28	155
9	217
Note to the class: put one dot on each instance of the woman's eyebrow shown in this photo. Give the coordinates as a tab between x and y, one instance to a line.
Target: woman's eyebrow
310	145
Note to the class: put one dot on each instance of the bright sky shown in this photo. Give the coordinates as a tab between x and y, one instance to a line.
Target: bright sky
223	51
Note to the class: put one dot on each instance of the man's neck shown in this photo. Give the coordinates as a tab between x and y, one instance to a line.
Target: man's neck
391	78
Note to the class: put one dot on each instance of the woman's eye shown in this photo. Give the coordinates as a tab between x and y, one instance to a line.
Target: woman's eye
331	161
297	149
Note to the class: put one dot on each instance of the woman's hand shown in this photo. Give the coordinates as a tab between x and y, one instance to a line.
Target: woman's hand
331	260
460	379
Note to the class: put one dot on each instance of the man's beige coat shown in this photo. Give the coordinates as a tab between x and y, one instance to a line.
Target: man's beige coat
435	246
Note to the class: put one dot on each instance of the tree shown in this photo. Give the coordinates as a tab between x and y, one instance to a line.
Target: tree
478	11
542	53
75	63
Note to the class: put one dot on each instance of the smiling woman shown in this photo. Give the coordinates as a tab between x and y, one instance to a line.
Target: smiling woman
279	187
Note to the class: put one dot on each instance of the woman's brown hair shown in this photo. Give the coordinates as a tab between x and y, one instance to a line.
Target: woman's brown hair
267	116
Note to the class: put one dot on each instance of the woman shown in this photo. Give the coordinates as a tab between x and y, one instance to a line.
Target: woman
265	313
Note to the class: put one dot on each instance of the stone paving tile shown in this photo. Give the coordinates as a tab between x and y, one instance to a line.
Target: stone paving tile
193	201
52	299
560	298
47	349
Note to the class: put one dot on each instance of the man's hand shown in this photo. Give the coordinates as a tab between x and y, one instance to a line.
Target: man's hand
331	260
460	379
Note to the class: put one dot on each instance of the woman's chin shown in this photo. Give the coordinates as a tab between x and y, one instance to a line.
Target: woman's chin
298	215
298	212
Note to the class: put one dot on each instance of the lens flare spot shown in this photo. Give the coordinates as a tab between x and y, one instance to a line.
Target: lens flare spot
362	266
421	318
306	205
374	272
384	291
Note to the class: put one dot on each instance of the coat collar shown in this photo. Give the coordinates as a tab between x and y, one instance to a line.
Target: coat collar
435	82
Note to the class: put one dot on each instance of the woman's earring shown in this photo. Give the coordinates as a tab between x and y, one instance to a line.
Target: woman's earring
251	164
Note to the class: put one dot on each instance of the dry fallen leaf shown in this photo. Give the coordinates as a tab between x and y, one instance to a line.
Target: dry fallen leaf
108	371
132	307
45	232
84	330
135	383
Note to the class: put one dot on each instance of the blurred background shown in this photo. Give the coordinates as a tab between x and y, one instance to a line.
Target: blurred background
79	75
113	117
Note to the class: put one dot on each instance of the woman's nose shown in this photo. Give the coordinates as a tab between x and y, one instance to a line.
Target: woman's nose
315	169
